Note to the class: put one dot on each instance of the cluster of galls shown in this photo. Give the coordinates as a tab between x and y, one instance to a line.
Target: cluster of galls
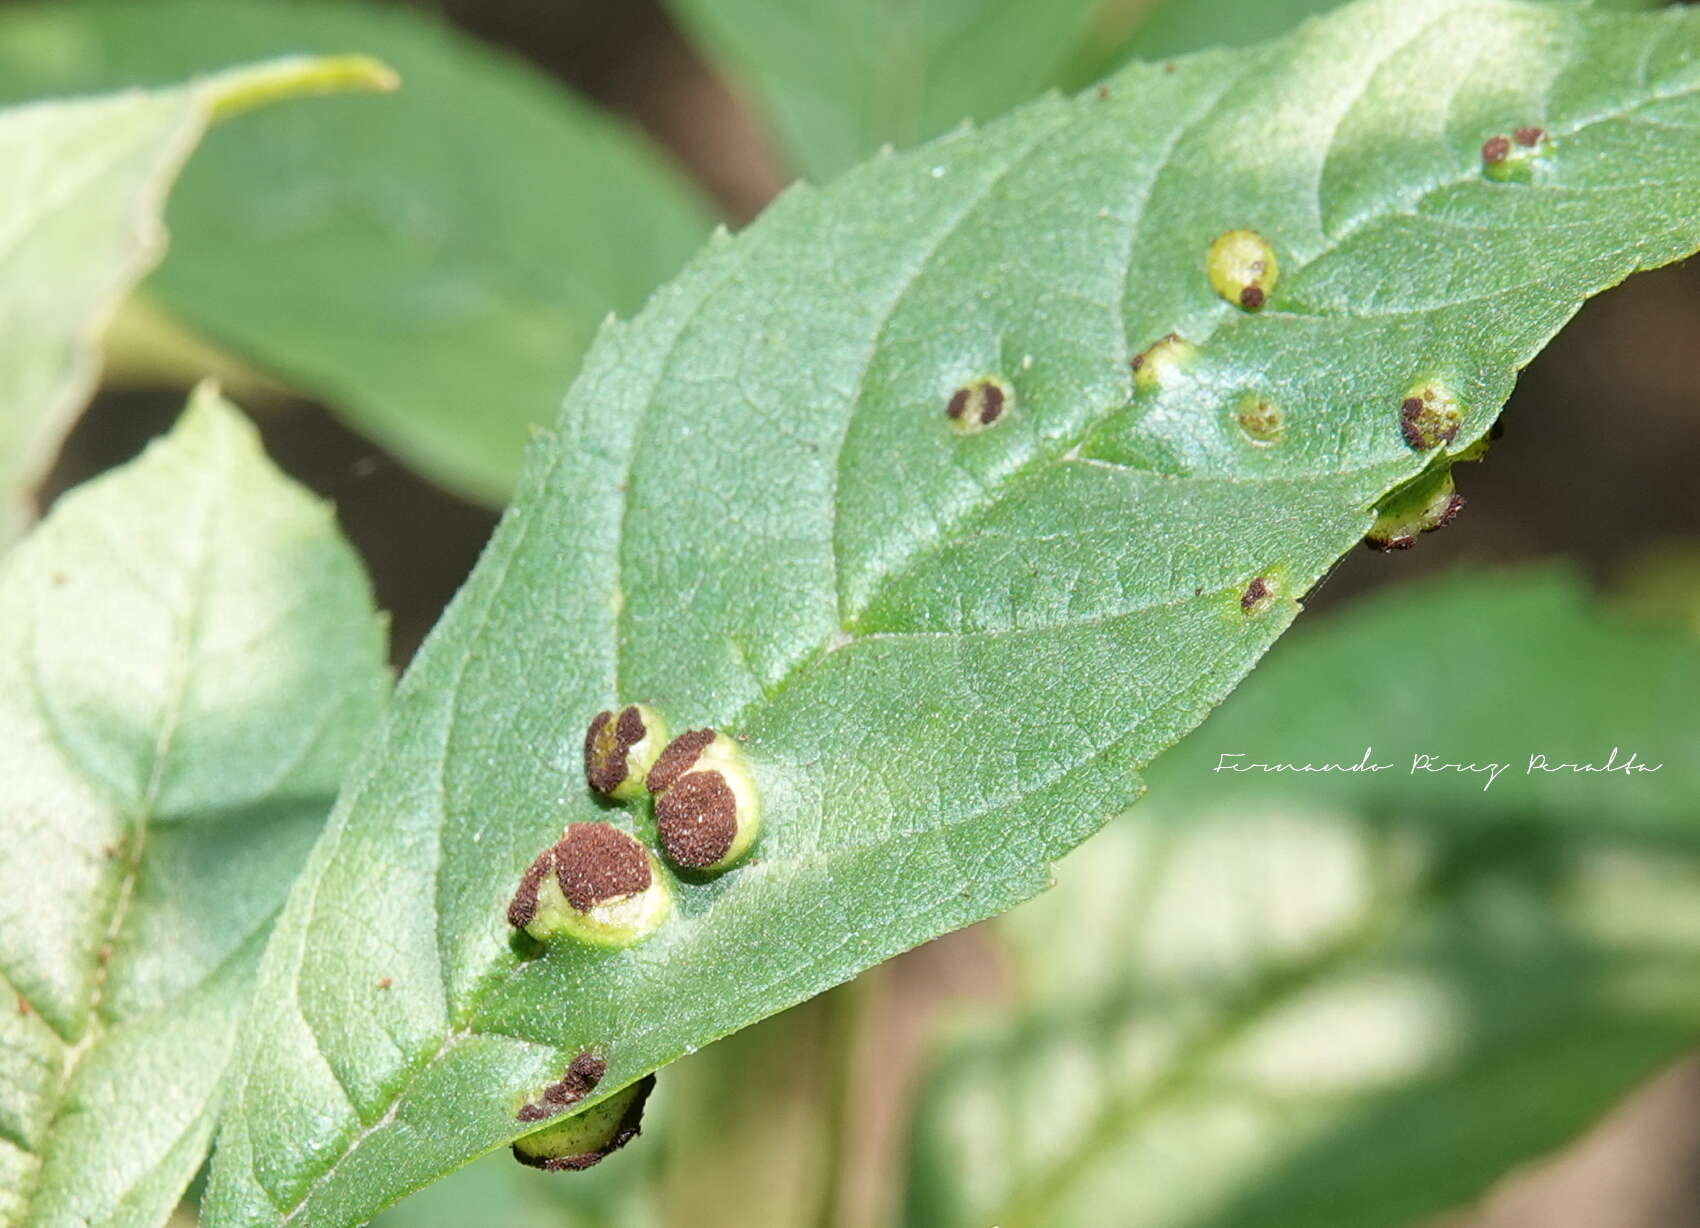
600	885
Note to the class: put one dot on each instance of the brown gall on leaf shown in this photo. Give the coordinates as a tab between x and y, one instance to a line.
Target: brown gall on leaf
707	811
1495	150
1512	159
584	1140
619	749
678	757
583	1074
597	862
1257	595
384	982
1530	137
977	405
697	820
1429	416
596	883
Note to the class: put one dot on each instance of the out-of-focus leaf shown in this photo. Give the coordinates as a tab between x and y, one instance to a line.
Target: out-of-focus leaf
840	78
85	181
1177	27
188	660
1310	1000
434	265
948	653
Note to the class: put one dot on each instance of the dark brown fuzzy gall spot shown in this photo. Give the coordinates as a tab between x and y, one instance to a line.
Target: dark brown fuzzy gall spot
676	760
631	1125
583	1074
595	862
1251	298
1255	592
523	907
991	408
1453	507
1530	137
958	405
1496	149
1386	545
607	747
697	820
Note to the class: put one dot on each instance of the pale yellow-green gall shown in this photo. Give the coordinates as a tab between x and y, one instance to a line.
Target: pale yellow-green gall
1427	502
1242	268
597	885
1429	415
1259	418
582	1140
707	810
978	405
619	749
1512	158
1161	361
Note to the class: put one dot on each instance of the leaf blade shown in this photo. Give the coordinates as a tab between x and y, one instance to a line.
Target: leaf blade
161	780
682	532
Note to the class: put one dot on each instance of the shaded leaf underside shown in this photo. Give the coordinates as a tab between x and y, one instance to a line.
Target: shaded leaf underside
947	654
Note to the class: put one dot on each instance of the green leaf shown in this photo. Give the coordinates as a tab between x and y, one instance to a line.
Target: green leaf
1176	27
188	659
432	265
85	181
1351	1000
947	653
840	78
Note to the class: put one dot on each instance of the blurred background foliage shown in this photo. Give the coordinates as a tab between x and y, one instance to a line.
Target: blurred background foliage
1347	1000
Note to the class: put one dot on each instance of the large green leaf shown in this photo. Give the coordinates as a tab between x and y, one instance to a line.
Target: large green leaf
433	266
840	78
948	654
188	660
86	180
1351	999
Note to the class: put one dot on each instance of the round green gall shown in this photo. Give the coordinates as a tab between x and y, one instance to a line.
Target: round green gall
1427	502
575	1143
978	405
1161	361
1259	418
1429	415
1242	268
707	811
1512	159
596	884
619	749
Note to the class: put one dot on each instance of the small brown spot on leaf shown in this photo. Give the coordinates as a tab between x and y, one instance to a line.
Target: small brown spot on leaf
1529	137
523	907
23	1007
697	820
583	1074
1496	149
384	982
1257	592
1251	298
1429	417
1103	93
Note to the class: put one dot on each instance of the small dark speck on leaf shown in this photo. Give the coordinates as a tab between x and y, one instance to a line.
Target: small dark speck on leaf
1496	149
384	982
1255	592
1530	137
1103	92
23	1007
